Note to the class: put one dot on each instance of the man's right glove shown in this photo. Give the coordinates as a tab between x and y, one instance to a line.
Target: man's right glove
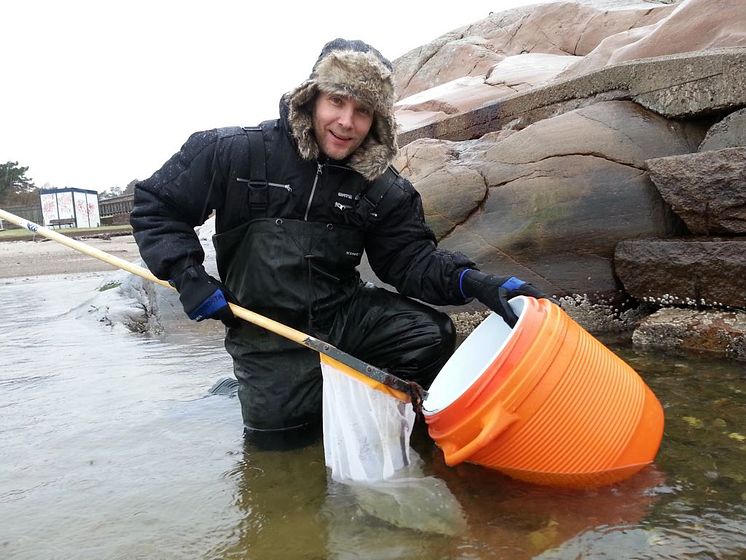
203	296
495	291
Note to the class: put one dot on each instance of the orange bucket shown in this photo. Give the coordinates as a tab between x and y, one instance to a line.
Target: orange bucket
544	402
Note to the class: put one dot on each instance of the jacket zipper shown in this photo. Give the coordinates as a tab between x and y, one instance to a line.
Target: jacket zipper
277	185
319	168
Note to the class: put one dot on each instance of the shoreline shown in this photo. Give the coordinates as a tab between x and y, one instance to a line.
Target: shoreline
43	257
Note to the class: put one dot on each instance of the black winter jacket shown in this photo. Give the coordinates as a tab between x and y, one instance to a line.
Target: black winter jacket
181	195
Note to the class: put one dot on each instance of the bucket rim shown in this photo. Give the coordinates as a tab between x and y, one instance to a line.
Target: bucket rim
519	306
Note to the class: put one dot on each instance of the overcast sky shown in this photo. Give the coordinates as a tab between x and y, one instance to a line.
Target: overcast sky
95	94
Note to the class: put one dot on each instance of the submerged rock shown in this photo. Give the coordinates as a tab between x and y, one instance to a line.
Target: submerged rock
139	305
719	332
121	301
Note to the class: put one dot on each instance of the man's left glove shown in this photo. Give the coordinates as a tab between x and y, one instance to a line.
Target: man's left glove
495	291
203	296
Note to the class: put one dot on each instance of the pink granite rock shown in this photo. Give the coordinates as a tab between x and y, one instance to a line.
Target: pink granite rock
693	25
560	28
511	75
559	194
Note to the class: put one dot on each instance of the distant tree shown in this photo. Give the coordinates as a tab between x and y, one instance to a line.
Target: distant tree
110	193
13	178
119	191
15	187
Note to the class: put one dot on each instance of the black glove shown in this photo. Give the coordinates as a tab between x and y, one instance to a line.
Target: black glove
495	291
203	296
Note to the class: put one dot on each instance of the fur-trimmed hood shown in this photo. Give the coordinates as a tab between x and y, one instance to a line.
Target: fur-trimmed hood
355	69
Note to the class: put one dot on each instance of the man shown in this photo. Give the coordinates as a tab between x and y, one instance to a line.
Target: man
297	201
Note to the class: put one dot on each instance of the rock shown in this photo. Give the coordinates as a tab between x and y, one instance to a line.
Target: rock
450	192
694	25
559	28
524	71
121	301
696	94
684	272
452	98
604	316
609	21
676	86
721	332
563	193
503	54
449	57
143	306
513	74
707	189
728	133
618	131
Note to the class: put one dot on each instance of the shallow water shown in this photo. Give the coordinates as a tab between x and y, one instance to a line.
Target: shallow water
111	447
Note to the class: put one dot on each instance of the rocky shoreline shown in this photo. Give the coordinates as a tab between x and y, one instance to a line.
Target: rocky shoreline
597	153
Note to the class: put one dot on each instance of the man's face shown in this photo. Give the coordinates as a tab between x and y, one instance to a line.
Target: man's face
340	124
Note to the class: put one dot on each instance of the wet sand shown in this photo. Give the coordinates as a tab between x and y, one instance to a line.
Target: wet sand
42	257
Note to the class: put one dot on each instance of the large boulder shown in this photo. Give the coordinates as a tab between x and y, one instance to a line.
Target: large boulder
727	133
684	271
706	189
694	25
450	192
562	193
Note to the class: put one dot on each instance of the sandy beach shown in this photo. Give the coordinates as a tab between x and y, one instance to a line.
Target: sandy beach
43	256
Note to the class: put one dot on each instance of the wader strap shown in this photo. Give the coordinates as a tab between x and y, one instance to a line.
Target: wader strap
375	193
246	198
258	188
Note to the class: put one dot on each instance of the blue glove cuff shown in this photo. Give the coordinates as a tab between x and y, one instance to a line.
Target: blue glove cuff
512	283
209	307
461	282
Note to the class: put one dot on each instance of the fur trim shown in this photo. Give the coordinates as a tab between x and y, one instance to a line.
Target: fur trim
364	76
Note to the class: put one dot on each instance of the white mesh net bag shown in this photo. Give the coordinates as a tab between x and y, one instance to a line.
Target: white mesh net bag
366	430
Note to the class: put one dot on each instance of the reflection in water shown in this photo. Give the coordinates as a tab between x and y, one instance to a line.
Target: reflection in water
421	503
287	500
113	448
280	495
